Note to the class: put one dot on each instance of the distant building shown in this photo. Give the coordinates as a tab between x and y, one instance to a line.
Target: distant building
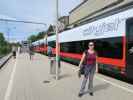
51	30
64	22
25	46
92	9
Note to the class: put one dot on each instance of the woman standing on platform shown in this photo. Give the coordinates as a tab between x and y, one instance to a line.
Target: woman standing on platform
89	57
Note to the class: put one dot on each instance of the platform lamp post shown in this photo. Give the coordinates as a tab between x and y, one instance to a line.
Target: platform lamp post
57	42
45	40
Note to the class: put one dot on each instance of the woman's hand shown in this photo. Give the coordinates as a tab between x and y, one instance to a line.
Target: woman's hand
79	66
82	59
96	67
96	70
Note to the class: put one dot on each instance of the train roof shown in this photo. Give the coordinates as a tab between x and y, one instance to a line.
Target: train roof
43	41
111	26
51	38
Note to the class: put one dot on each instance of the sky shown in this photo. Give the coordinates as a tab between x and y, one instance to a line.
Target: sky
30	10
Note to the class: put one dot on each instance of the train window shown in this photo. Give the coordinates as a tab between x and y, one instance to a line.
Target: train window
109	48
129	30
72	47
52	44
129	36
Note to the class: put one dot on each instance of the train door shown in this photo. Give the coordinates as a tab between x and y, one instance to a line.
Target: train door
129	48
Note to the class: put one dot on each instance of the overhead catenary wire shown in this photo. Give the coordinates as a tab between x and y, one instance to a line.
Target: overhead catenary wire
21	21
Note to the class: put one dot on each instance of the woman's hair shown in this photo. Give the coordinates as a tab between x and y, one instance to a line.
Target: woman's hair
91	42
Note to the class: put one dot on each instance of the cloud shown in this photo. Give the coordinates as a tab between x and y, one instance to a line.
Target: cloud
7	17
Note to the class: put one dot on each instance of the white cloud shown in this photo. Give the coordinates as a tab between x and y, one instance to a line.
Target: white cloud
7	17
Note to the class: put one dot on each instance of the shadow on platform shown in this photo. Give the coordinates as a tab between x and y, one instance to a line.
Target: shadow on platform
98	87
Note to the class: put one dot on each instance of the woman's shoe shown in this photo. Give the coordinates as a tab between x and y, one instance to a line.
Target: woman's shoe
80	94
91	94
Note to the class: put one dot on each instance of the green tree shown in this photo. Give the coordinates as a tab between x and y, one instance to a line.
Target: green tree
32	38
4	45
39	36
2	40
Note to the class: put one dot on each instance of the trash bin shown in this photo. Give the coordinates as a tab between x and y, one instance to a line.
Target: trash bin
53	66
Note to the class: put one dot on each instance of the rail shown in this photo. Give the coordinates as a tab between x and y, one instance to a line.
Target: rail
3	60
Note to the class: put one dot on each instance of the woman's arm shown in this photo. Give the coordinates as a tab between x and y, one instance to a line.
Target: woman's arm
82	59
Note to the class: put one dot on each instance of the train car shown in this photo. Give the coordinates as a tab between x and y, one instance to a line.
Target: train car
113	37
41	45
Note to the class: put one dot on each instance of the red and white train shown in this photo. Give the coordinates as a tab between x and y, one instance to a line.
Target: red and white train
113	37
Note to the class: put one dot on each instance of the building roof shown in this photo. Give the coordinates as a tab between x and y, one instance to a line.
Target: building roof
63	17
84	1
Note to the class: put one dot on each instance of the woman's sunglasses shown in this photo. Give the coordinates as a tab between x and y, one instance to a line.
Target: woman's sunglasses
91	45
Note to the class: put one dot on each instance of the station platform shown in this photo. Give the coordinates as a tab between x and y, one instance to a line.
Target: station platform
25	79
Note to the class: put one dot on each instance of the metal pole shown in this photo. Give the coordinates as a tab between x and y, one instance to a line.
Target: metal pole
45	41
57	42
20	21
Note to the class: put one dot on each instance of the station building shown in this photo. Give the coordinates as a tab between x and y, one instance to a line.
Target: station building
90	10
